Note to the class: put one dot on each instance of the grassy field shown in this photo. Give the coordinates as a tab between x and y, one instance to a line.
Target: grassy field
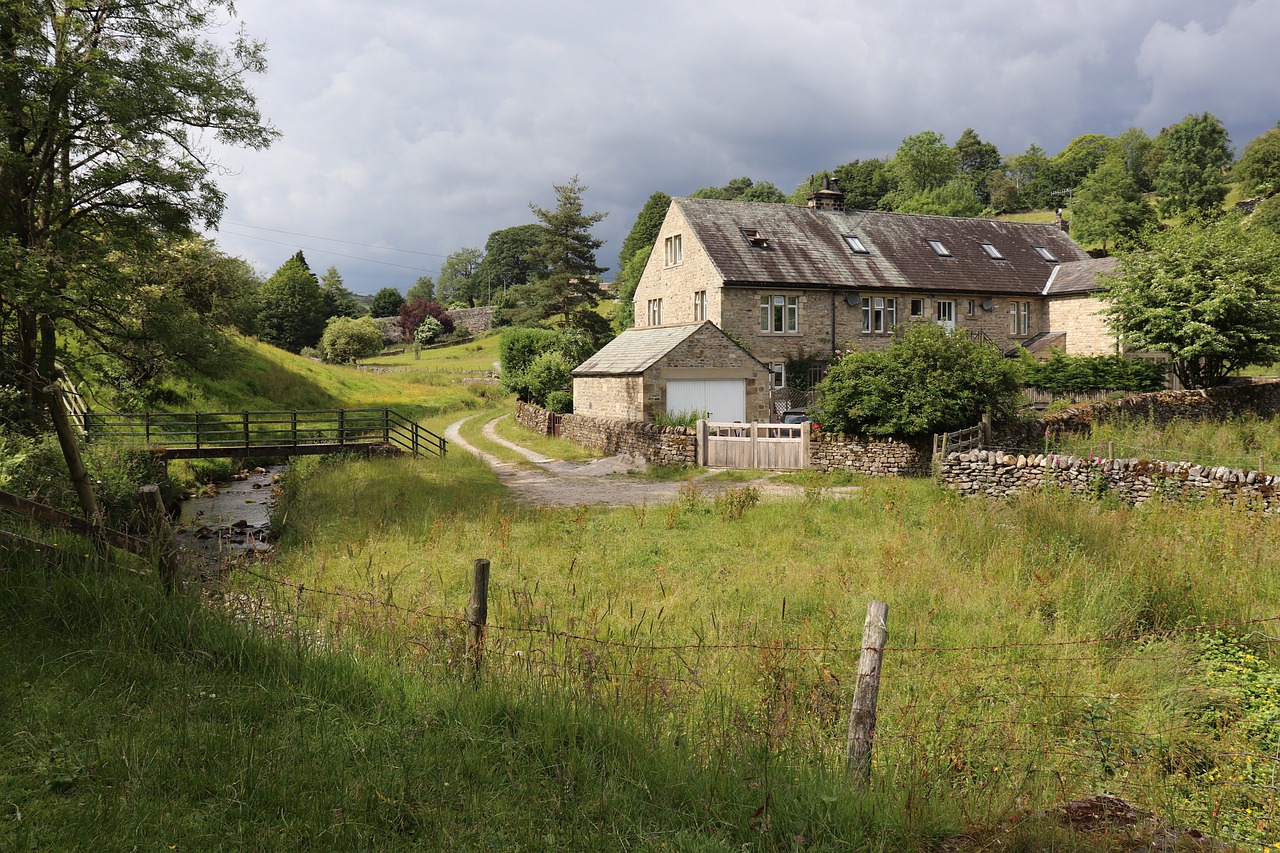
655	677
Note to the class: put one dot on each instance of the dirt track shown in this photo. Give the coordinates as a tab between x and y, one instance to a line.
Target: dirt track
603	482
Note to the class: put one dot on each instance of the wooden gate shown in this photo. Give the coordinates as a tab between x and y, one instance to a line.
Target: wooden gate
775	447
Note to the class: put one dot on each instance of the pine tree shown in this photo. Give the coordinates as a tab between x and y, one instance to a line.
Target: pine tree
566	282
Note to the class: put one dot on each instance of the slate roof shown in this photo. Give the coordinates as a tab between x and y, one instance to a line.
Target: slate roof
805	248
1078	276
636	350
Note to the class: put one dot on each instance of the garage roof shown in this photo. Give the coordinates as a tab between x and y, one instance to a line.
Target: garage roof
636	350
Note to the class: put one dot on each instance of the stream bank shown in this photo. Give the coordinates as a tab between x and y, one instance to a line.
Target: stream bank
227	520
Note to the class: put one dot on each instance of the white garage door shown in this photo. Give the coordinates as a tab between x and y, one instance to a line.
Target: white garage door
724	399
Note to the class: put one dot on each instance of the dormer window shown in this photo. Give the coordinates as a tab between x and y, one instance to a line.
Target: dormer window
1045	253
755	238
856	245
939	249
992	252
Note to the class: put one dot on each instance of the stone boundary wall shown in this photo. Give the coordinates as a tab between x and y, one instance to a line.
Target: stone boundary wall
879	457
999	473
666	445
477	320
1162	407
657	445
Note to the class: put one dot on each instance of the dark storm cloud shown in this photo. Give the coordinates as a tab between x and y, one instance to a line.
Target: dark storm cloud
427	126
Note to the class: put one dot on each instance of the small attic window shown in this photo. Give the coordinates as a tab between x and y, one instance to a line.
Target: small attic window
992	252
754	237
940	249
1045	253
856	245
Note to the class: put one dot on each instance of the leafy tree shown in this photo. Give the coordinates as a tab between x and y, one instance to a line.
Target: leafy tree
336	300
928	380
957	197
291	310
506	262
458	284
1205	294
866	184
1029	172
977	160
1190	178
1138	151
386	303
346	339
742	189
104	109
1081	156
1259	168
413	313
923	162
1082	374
567	279
638	243
1002	192
764	192
424	288
1108	206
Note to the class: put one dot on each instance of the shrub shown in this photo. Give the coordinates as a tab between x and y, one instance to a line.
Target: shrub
413	313
1068	374
517	350
559	402
928	380
429	330
346	339
550	372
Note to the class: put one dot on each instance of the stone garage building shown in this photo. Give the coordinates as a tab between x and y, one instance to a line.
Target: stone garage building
645	373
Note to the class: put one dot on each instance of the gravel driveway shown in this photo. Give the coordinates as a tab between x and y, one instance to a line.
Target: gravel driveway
602	482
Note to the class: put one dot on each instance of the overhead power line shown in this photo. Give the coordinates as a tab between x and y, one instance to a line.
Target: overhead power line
335	240
331	252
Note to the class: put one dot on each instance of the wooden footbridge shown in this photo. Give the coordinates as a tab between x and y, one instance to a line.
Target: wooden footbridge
201	435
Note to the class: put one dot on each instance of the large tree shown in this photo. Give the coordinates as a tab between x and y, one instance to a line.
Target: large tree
1108	206
567	282
457	283
1204	293
1190	179
386	303
291	312
424	288
506	260
977	160
336	299
1259	168
106	110
639	242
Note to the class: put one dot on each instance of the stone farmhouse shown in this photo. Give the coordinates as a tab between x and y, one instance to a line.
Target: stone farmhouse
791	283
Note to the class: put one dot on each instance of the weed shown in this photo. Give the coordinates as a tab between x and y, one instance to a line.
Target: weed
731	504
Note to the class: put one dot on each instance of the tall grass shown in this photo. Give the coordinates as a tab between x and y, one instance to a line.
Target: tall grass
1240	442
981	708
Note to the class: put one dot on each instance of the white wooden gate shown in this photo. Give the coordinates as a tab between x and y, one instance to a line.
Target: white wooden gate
775	447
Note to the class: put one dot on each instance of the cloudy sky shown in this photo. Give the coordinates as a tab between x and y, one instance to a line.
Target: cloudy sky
411	129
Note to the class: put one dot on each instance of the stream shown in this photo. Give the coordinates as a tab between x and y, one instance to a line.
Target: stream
227	520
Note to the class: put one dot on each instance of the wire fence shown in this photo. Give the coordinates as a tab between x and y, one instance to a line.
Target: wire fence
1184	719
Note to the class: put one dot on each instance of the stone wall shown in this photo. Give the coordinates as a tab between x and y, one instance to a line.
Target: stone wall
875	456
658	445
477	320
1262	398
998	473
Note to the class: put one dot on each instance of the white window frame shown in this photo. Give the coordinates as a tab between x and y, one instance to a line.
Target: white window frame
699	306
674	251
1021	316
970	307
779	314
879	314
655	312
944	312
778	374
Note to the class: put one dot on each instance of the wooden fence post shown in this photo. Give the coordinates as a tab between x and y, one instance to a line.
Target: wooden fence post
862	715
167	550
71	452
477	614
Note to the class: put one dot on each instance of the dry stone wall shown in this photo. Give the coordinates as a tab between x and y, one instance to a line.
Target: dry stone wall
657	445
999	473
477	320
1163	407
877	457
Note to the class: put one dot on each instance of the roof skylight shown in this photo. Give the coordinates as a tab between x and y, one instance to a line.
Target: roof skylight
1045	253
940	249
856	245
754	237
992	252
